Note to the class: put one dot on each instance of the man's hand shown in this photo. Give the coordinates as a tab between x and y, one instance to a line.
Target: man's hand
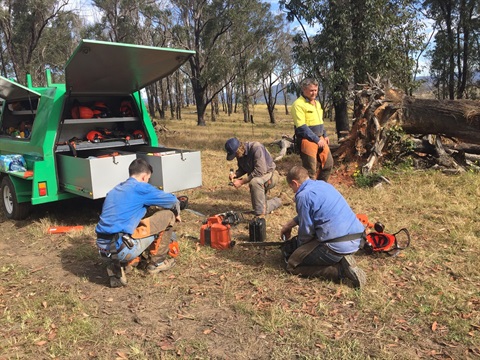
178	218
237	183
287	229
327	140
322	142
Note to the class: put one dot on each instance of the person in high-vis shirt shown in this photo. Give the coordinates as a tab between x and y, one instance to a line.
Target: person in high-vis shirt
310	134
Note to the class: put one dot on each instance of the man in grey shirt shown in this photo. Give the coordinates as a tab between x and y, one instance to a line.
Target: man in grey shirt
254	160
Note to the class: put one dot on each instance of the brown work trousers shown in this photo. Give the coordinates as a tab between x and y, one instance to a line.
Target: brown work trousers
317	161
160	223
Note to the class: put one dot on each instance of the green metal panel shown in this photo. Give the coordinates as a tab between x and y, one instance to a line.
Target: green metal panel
98	67
95	68
151	134
23	188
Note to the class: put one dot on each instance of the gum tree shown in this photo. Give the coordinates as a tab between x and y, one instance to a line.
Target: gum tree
354	38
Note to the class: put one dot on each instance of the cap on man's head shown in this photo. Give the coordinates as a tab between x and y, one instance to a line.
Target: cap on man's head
231	147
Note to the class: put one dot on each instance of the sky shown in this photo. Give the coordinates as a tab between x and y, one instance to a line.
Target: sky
88	14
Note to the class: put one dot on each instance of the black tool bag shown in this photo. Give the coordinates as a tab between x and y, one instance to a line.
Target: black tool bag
257	230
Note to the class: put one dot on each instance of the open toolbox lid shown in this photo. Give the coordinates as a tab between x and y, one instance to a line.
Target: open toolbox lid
11	91
98	67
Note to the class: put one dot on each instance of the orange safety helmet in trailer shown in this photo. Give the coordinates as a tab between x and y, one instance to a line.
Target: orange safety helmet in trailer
95	136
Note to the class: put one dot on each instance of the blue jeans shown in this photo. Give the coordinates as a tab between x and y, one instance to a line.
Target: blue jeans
323	256
139	246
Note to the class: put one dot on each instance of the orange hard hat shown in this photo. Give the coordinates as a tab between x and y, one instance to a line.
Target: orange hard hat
100	110
139	134
82	112
94	136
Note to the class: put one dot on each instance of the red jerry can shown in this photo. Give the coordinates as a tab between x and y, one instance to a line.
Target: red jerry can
216	234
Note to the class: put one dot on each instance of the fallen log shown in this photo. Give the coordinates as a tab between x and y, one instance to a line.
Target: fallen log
381	111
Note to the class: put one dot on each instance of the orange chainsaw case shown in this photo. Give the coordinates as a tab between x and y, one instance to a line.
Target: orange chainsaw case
215	234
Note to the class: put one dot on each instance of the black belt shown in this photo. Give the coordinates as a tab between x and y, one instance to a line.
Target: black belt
348	237
107	236
111	238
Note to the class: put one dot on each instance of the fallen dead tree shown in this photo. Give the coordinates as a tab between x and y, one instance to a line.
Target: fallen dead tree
379	113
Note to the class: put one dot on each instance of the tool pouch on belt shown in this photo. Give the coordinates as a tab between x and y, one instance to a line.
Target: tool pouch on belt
118	242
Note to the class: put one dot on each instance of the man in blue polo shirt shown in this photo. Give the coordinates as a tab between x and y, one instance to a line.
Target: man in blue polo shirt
124	232
328	232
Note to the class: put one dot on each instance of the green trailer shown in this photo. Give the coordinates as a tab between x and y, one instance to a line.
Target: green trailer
78	138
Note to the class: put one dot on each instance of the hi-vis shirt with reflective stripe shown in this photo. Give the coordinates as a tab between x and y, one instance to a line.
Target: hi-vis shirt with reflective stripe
304	113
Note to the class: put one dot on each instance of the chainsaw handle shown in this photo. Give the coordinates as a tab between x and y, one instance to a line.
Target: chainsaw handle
408	239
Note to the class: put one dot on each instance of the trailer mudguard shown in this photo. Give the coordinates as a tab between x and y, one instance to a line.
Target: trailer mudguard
23	188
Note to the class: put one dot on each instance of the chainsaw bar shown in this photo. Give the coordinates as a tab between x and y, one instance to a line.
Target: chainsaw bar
261	244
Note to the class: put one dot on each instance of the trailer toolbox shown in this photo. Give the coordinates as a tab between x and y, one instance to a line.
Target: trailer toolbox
92	174
173	169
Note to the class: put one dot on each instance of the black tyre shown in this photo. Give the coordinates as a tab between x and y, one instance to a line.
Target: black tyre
11	207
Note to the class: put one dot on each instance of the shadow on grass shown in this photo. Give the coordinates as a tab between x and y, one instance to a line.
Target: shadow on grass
258	258
82	259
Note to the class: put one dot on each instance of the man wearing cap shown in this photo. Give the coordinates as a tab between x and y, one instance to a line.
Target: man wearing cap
311	137
254	160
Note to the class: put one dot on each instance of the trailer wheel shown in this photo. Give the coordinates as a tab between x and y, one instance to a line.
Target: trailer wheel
12	208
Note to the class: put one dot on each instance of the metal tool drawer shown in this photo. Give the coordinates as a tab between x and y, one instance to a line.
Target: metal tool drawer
93	174
173	169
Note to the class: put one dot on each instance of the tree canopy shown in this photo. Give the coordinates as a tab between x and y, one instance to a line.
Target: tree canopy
245	48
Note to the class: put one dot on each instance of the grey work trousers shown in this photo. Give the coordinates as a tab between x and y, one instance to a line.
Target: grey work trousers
258	192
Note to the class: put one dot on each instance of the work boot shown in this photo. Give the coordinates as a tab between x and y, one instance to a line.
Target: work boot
155	268
351	274
117	276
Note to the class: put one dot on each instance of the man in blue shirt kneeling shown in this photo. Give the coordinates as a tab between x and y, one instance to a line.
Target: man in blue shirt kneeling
127	234
328	232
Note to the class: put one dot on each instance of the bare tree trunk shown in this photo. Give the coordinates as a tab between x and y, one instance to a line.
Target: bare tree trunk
178	97
163	96
150	102
285	100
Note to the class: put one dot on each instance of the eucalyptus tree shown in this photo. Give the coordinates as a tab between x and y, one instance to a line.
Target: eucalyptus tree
121	20
455	56
354	38
223	34
200	26
254	28
35	34
273	64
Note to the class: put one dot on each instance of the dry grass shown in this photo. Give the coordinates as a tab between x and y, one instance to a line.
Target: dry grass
239	304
